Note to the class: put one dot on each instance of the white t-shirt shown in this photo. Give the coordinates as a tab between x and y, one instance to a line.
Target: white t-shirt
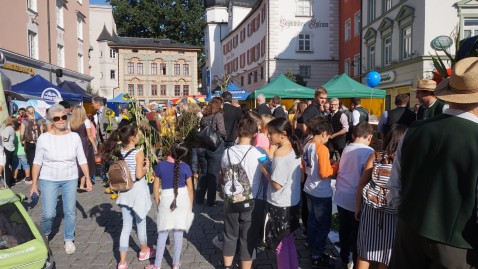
353	160
250	163
57	155
9	134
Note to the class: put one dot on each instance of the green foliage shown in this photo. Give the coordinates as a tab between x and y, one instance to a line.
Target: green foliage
295	78
91	91
180	20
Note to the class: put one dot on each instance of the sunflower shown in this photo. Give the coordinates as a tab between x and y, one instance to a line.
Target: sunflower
109	113
126	97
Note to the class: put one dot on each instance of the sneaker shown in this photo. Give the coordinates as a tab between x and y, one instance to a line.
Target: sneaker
150	266
145	255
28	181
70	247
123	266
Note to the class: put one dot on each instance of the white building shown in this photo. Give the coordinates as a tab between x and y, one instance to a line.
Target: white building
104	60
267	38
396	40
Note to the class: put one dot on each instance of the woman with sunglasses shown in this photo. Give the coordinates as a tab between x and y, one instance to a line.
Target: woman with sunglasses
54	166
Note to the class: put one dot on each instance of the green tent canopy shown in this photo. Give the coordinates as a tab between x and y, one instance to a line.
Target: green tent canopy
342	86
284	88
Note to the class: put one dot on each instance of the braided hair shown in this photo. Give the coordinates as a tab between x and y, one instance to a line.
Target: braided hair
179	154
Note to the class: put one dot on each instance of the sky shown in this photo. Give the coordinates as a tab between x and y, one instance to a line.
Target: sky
98	2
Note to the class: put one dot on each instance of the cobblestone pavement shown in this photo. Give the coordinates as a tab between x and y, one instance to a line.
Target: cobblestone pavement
98	227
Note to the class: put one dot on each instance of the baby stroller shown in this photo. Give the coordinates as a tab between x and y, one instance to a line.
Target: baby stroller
22	243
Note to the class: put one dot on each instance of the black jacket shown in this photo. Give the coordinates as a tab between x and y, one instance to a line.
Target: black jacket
232	116
263	109
279	112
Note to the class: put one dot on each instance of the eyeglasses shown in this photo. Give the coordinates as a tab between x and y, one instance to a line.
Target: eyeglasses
58	118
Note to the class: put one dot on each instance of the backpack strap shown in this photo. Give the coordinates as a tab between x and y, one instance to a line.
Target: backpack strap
127	153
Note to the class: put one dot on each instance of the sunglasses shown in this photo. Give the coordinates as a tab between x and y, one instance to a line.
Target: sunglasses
58	118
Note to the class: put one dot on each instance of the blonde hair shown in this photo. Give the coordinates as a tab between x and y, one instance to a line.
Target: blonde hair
265	120
78	117
9	121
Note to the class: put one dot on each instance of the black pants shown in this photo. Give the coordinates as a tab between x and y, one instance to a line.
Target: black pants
410	250
238	229
210	163
30	153
304	210
347	234
8	167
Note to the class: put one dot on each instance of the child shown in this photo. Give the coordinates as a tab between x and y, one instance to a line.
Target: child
175	209
243	226
283	194
19	156
317	188
352	163
136	202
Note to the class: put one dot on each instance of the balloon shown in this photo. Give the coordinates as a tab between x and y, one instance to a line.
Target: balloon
373	79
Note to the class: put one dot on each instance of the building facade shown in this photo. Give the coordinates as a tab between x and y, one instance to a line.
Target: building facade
104	60
49	38
396	41
156	69
350	39
277	36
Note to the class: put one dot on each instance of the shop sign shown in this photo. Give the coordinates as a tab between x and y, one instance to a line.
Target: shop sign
19	68
386	77
311	24
51	96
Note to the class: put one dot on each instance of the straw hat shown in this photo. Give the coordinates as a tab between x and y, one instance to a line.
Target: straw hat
426	85
462	86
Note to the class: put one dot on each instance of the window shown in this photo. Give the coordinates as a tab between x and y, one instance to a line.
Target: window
32	5
130	68
387	5
304	42
112	53
79	27
262	72
177	90
470	27
257	52
242	60
59	13
242	80
348	26
347	66
154	69
371	11
32	45
101	75
139	68
101	54
185	69
80	63
177	69
235	41
131	89
263	47
140	90
154	90
263	13
249	78
112	74
387	51
407	43
162	89
356	65
243	35
304	71
180	52
303	7
162	69
357	23
61	56
185	90
255	76
258	21
371	58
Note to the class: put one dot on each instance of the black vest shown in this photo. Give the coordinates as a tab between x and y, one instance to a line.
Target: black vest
337	125
363	114
399	115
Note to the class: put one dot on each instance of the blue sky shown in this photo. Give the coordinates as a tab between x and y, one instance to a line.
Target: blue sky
98	2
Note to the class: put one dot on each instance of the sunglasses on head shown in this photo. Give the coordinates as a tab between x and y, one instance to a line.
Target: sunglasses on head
58	118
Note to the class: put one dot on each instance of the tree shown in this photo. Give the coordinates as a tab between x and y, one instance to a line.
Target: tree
91	91
295	78
180	20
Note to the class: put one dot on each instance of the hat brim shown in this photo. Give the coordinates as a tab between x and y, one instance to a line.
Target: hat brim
445	93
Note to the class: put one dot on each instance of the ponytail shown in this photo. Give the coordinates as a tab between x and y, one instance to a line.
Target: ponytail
175	184
296	145
110	147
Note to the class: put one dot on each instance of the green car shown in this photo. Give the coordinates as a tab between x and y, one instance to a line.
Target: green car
22	244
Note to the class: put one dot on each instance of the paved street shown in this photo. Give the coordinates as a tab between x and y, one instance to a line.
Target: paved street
99	226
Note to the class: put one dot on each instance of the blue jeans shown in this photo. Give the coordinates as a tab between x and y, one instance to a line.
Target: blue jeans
128	227
318	223
210	163
49	195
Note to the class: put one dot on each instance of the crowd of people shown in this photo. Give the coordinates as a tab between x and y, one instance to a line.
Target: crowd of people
410	204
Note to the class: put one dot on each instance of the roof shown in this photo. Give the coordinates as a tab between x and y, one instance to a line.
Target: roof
284	88
225	3
105	35
342	86
139	42
215	3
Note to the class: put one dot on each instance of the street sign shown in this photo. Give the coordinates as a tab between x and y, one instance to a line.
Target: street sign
441	43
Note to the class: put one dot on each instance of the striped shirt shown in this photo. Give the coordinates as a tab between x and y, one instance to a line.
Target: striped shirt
57	155
131	161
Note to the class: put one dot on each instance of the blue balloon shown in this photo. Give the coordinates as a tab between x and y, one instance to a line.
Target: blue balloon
373	79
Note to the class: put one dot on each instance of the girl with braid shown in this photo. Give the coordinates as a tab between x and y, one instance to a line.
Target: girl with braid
175	202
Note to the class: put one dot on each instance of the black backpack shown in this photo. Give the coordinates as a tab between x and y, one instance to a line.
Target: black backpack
237	190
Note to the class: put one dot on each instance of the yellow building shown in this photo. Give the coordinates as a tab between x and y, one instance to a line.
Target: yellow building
157	70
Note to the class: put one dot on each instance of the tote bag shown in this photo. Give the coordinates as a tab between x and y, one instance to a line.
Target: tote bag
208	138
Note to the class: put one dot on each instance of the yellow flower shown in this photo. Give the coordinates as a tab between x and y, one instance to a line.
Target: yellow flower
124	116
109	113
126	97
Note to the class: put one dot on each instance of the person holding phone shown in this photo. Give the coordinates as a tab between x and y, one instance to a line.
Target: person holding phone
54	167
